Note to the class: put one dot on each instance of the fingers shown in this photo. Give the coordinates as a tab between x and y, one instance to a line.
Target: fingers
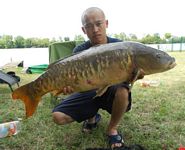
68	90
64	91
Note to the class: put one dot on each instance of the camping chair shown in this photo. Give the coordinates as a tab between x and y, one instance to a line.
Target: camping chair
8	79
58	51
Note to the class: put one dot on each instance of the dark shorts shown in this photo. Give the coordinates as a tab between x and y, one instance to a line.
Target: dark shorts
83	105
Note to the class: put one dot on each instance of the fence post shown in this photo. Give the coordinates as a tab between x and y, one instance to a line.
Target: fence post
181	44
172	45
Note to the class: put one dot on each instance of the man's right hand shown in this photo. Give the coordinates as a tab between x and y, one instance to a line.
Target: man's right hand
67	90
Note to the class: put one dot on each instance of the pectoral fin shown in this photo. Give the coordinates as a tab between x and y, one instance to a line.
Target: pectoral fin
139	74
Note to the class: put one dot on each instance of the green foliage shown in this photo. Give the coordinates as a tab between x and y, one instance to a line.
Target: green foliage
60	39
44	42
28	43
167	35
66	39
151	39
121	36
7	41
176	39
133	37
53	40
19	42
2	44
79	38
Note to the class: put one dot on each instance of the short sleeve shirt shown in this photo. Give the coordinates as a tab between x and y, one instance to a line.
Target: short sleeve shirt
87	44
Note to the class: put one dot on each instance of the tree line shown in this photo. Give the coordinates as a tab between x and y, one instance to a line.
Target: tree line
8	41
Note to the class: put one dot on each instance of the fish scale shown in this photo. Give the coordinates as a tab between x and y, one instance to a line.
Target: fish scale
95	68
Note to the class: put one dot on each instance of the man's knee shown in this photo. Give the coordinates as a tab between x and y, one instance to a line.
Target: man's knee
61	118
122	98
121	92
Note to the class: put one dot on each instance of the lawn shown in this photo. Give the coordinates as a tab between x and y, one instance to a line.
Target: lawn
156	121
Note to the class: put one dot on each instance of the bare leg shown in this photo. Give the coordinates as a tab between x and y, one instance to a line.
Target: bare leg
89	124
120	104
61	118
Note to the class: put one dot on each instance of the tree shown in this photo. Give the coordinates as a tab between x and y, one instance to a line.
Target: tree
151	39
121	36
167	35
176	39
79	38
133	37
19	42
35	42
2	44
7	41
66	39
156	38
28	43
146	39
53	40
60	39
44	42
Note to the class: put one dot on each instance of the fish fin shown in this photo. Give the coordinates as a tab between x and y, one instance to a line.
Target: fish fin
30	101
139	74
100	91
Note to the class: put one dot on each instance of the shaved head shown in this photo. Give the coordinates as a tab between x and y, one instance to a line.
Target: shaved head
89	11
94	25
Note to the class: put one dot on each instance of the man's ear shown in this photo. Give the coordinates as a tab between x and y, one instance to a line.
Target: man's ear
83	29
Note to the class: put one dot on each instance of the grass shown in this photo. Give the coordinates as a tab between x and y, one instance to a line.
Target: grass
156	121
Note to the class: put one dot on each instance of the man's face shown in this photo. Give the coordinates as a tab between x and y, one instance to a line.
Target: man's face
95	27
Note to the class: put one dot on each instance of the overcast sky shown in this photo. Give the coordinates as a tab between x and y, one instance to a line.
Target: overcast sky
54	18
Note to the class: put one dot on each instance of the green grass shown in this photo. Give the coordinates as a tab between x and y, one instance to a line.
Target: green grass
156	121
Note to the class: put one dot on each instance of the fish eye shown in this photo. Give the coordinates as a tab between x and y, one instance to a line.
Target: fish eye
158	55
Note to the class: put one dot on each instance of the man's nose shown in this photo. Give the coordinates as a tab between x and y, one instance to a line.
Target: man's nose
95	28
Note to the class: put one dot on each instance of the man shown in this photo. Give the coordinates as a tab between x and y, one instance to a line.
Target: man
84	106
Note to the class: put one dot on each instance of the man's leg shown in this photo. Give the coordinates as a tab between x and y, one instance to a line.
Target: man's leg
74	108
91	123
120	104
61	118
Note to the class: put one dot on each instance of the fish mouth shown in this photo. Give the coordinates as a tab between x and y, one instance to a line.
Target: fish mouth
172	65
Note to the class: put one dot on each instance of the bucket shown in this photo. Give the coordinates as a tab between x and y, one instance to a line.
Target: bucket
9	128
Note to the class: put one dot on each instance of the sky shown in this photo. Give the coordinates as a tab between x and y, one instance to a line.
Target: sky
62	18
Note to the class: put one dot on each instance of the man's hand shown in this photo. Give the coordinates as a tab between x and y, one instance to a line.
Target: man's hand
67	90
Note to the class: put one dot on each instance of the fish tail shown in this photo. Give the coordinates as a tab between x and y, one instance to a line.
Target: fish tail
29	98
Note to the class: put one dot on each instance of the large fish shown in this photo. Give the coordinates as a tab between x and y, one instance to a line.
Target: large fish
95	68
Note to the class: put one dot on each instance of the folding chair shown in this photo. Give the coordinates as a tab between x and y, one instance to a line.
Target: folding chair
8	79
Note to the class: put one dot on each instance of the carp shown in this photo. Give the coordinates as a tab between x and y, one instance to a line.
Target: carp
95	68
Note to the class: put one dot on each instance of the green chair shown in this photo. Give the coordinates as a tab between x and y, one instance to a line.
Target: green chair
58	51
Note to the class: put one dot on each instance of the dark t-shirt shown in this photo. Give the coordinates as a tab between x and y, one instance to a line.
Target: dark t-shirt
87	44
